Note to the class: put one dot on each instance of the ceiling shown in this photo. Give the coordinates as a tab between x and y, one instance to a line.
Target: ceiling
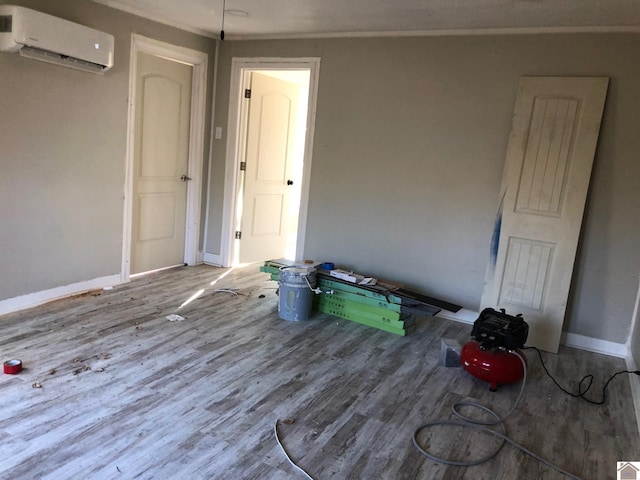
317	18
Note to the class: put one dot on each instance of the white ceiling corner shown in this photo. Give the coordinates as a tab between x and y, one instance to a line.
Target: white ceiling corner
314	18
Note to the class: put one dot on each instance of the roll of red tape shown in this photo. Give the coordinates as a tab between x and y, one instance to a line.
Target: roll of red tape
13	366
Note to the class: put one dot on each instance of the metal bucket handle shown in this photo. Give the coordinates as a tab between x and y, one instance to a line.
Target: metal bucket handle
316	290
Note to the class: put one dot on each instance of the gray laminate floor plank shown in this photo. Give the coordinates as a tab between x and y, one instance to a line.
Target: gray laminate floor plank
127	394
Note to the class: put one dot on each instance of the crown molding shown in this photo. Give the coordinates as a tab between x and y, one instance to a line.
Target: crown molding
442	32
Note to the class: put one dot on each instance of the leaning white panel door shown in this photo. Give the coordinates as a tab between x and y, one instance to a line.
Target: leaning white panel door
163	99
268	182
544	188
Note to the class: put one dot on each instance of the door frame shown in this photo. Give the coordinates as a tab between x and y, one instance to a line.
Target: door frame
198	60
240	65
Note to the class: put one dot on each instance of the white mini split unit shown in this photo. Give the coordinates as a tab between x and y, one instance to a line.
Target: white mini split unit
50	39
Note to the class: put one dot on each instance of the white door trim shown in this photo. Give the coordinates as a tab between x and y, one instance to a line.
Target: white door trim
231	184
198	60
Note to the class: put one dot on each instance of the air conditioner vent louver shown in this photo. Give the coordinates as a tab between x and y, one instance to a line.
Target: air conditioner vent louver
58	59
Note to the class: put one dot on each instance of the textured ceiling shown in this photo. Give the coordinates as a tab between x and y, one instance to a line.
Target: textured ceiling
300	18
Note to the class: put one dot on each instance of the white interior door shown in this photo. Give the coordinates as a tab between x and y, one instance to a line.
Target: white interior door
268	219
163	99
544	188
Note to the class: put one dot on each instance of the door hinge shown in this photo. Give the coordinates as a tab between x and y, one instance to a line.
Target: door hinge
247	93
238	235
243	166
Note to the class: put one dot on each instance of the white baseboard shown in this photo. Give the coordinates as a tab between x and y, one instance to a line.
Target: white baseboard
38	298
212	259
634	381
463	315
595	345
573	340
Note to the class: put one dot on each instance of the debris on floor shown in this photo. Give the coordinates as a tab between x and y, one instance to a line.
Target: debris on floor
227	290
174	317
82	368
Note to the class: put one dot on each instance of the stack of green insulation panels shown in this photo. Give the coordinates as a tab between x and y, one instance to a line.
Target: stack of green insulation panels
382	310
363	306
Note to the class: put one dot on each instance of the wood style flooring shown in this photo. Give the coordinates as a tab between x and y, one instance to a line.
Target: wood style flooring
127	394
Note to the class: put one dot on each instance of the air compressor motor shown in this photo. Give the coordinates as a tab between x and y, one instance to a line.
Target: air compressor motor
497	329
492	354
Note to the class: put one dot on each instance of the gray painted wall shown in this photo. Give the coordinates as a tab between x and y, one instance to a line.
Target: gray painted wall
410	140
63	135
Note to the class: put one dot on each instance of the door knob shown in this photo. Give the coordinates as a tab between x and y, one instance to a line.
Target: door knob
184	178
289	182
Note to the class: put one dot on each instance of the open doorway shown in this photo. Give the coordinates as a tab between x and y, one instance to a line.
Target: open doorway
271	118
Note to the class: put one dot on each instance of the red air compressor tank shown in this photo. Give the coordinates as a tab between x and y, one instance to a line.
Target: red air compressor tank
495	365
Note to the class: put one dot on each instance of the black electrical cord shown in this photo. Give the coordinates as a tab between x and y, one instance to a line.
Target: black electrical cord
582	391
224	5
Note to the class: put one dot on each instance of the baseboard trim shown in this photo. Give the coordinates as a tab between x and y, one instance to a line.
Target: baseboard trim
634	382
29	300
463	315
573	340
595	345
212	259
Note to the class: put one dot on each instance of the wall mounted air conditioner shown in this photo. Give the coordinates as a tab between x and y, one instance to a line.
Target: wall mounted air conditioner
50	39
